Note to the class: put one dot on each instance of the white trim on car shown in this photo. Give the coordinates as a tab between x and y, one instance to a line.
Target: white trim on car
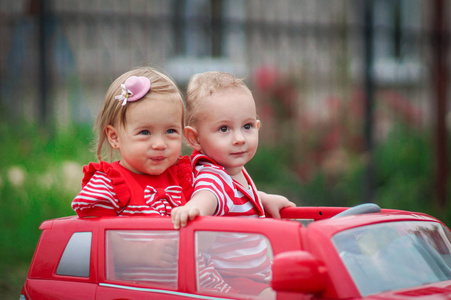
162	291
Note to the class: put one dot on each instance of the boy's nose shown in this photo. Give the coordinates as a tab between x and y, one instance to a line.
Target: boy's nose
238	138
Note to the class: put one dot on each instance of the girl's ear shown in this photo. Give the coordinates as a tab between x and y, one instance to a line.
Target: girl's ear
192	137
259	124
113	137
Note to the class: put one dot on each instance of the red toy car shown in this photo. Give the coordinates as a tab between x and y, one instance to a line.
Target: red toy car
314	253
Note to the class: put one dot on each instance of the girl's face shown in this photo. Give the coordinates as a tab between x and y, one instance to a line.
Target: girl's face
228	129
151	140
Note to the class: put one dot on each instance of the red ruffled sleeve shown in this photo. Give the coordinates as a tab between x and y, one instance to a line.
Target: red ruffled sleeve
185	175
118	183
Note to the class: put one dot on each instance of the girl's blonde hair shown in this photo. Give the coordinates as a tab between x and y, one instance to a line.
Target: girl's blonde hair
113	113
203	85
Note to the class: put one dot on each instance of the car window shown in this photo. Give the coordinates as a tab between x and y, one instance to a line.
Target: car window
233	263
76	257
147	257
388	256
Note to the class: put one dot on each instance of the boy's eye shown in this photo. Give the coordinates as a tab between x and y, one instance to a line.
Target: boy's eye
223	128
171	131
145	132
248	126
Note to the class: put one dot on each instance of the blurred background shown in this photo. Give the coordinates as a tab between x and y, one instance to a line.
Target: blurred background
352	94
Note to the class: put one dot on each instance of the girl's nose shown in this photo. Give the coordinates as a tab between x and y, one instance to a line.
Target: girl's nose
158	143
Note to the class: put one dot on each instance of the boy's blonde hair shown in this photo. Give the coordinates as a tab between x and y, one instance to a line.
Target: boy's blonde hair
203	85
113	113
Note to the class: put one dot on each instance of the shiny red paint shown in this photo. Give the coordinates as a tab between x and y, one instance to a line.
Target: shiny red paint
309	250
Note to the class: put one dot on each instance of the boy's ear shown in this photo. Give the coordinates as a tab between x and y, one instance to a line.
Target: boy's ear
113	137
258	124
192	137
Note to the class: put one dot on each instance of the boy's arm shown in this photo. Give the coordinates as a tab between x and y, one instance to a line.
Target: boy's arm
274	203
203	203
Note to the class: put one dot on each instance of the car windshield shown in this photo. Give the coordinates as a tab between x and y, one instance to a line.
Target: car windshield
392	256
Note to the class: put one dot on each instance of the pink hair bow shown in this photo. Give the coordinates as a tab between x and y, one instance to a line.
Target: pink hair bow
134	88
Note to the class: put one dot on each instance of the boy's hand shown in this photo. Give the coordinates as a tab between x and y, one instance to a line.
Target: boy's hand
180	215
203	203
274	203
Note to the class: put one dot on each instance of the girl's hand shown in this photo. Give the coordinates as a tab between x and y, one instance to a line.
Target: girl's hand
160	253
274	203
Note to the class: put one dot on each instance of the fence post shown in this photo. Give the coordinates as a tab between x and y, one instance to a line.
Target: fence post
44	106
368	33
440	78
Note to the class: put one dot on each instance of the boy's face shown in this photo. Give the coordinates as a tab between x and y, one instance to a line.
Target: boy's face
228	128
151	140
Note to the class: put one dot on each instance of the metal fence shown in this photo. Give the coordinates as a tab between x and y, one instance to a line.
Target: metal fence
54	47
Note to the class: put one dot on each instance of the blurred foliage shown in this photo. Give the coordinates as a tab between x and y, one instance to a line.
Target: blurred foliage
39	176
315	154
404	176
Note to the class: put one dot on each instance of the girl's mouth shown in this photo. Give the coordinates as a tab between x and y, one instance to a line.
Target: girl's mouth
157	158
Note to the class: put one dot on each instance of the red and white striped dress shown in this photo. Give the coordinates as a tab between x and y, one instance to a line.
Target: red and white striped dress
109	189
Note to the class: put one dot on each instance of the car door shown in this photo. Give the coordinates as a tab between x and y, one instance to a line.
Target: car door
140	260
233	256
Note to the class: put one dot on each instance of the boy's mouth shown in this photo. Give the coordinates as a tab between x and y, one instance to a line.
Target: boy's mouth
238	153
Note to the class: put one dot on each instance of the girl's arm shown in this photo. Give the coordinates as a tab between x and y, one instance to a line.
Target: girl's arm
97	198
158	252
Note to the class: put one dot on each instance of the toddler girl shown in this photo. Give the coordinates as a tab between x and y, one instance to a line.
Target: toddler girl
141	119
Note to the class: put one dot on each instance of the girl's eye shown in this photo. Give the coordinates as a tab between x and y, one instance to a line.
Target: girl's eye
223	128
145	132
248	126
171	131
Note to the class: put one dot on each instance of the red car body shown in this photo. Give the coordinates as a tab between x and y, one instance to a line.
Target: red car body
310	259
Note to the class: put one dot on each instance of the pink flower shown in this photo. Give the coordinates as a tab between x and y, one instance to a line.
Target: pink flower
265	78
